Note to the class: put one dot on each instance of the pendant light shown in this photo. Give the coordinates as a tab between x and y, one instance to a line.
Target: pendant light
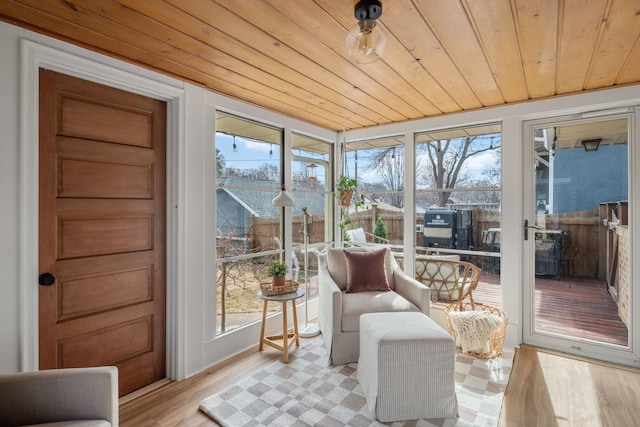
284	198
365	43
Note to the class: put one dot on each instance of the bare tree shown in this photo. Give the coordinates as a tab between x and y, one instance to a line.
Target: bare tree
237	276
389	164
220	162
265	172
491	178
444	160
440	164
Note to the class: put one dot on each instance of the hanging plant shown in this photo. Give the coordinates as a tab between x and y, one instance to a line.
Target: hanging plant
346	191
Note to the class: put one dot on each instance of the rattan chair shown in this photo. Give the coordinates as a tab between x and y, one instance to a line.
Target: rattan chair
450	280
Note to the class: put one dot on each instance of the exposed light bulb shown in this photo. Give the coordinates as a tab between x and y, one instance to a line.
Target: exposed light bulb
363	43
235	147
366	40
366	44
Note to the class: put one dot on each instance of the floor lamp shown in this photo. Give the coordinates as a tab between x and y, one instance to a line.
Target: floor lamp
286	199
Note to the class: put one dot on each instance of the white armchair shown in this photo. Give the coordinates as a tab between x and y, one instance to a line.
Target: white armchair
84	397
339	311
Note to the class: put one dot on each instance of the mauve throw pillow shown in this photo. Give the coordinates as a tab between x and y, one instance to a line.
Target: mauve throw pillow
366	271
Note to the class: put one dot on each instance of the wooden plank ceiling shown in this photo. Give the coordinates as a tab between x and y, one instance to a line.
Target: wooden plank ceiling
442	56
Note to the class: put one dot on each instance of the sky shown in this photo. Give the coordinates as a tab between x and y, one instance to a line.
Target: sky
474	166
251	154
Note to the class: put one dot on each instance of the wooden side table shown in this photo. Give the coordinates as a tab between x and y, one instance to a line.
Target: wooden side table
287	338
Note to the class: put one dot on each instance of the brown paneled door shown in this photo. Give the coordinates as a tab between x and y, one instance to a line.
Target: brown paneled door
101	229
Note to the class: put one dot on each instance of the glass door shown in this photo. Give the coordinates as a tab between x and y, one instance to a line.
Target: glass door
576	237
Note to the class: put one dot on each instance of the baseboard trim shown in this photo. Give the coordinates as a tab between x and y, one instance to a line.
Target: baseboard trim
581	358
144	390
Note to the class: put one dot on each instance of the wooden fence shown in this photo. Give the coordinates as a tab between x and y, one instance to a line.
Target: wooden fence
580	249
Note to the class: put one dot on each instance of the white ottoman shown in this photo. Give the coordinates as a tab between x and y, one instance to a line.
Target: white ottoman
406	367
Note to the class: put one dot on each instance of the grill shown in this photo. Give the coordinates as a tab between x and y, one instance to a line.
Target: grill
450	229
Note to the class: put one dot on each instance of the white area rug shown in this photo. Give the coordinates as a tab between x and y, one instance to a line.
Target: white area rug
309	392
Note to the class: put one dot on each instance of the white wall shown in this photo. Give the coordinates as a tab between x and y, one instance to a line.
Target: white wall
191	197
9	296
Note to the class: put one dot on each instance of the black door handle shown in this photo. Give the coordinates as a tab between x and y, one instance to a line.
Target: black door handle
527	227
46	279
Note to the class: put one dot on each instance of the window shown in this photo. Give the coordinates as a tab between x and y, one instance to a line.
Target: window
312	176
379	168
458	200
248	173
312	166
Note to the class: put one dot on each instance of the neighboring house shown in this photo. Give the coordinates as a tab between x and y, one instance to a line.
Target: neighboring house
236	206
240	199
571	166
609	184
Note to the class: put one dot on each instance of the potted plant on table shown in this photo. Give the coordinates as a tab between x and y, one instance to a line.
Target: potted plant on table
277	270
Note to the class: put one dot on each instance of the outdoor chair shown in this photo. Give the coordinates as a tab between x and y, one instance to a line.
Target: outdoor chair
358	237
451	280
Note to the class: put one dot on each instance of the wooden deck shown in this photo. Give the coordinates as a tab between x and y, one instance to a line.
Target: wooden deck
488	292
581	308
577	307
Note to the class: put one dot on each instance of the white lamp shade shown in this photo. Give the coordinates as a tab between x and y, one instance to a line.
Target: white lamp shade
283	199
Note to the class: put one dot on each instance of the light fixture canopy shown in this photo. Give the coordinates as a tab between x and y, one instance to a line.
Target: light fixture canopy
591	144
363	43
283	199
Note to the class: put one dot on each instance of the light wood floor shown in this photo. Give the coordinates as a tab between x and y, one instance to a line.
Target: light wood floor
550	389
544	390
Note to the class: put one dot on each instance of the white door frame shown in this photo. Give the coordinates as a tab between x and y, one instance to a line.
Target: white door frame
586	348
86	65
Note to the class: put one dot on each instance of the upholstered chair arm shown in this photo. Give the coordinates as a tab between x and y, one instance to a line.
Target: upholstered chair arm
59	395
330	300
414	291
